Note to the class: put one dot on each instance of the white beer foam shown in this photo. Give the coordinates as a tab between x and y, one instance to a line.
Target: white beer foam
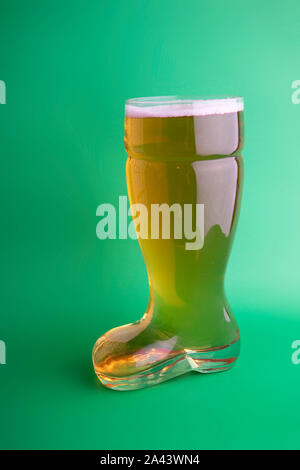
188	108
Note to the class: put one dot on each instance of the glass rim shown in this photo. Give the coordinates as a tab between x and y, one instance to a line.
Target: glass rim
175	99
183	105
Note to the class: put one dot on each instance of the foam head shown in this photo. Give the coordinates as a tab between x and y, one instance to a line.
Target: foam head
137	108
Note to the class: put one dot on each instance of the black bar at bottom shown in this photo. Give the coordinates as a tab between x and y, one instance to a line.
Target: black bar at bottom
143	458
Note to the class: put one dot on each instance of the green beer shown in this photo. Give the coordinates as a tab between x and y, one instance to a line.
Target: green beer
181	152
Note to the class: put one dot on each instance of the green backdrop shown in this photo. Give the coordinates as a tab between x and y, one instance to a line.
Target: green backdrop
68	67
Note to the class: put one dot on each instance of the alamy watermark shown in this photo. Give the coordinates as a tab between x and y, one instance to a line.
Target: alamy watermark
2	343
296	354
2	352
296	93
152	222
2	92
295	97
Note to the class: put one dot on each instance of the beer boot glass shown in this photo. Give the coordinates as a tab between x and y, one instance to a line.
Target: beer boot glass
183	151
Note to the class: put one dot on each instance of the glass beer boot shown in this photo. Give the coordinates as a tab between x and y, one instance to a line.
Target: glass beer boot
181	152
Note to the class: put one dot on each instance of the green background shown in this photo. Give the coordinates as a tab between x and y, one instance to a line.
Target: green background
68	67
